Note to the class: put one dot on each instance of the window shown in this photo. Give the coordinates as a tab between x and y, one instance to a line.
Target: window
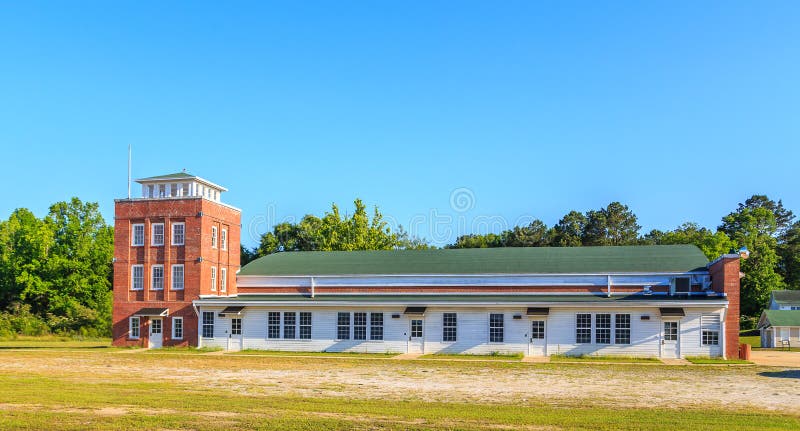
670	331
236	326
583	328
177	328
208	324
622	329
376	326
289	325
359	326
343	326
137	235
709	329
305	325
137	277
274	324
449	327
602	327
173	190
185	189
537	329
177	277
223	279
157	277
495	328
794	307
162	190
224	239
178	233
151	191
213	237
416	328
155	326
213	278
134	327
157	237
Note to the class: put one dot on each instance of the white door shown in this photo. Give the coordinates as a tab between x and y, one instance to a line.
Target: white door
415	344
235	336
156	333
670	339
538	343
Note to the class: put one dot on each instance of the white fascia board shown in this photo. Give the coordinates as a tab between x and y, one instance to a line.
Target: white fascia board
409	280
551	304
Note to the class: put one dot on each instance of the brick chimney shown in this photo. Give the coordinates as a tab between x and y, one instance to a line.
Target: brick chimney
725	277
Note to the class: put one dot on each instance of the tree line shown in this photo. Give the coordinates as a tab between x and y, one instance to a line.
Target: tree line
56	271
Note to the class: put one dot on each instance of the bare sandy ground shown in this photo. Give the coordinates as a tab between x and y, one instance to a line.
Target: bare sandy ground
768	388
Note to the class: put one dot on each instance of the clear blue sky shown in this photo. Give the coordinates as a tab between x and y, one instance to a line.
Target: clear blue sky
678	110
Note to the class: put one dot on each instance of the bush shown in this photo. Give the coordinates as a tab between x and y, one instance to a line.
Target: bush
19	320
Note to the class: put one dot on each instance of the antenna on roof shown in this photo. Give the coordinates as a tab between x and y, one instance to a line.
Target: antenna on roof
129	171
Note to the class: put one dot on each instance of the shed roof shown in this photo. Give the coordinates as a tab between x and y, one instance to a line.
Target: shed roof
779	318
508	260
786	297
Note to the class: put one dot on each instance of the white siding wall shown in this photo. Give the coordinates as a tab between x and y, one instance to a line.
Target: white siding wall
472	332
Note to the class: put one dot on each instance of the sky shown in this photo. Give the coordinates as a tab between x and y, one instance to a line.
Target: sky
451	117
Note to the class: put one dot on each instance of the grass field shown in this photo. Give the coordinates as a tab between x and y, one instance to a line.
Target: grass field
599	358
497	357
80	386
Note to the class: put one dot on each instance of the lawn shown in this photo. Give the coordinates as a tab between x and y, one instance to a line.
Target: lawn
53	341
80	388
705	360
254	352
495	357
602	358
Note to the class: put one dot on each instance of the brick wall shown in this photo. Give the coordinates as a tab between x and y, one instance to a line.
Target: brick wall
725	279
197	256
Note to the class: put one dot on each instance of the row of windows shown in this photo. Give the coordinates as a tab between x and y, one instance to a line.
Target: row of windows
604	328
357	325
157	278
178	235
134	327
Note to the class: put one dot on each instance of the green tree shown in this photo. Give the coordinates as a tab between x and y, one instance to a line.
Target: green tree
536	234
615	224
713	244
789	252
569	230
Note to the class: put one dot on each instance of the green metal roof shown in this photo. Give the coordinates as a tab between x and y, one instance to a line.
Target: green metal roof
508	260
427	299
177	175
780	318
786	297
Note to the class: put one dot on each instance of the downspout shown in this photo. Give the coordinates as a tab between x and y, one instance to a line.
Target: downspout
724	334
313	285
197	313
609	285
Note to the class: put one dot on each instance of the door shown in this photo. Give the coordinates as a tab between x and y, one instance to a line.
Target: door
538	343
670	340
156	333
415	339
235	337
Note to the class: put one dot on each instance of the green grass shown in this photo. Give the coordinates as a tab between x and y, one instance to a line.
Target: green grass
601	358
256	352
705	360
55	403
191	350
53	341
491	357
753	340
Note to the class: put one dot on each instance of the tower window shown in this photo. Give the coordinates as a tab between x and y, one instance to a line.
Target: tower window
157	234
137	234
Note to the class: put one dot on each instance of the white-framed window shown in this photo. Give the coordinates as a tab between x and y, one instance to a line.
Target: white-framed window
208	324
602	328
583	328
537	329
133	327
151	191
213	237
178	233
496	328
305	325
162	190
223	239
274	324
157	234
173	190
157	277
177	277
177	328
236	326
137	234
449	327
622	329
289	325
709	329
213	278
376	326
343	326
223	279
137	277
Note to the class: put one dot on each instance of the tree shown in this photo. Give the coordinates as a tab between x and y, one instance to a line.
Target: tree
615	224
535	234
713	244
569	230
789	253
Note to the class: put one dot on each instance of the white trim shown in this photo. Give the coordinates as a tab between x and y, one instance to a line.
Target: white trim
152	276
172	233
130	327
223	239
213	301
172	276
133	282
214	236
166	179
183	329
153	234
213	278
133	234
223	279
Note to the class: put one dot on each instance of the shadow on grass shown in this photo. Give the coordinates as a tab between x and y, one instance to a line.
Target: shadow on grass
786	374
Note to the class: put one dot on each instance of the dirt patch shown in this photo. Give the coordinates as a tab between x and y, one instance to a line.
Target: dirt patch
775	358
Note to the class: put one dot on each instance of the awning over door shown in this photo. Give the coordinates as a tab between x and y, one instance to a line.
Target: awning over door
415	310
152	312
672	312
538	311
237	310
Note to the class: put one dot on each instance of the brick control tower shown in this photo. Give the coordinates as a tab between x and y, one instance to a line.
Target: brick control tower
172	245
